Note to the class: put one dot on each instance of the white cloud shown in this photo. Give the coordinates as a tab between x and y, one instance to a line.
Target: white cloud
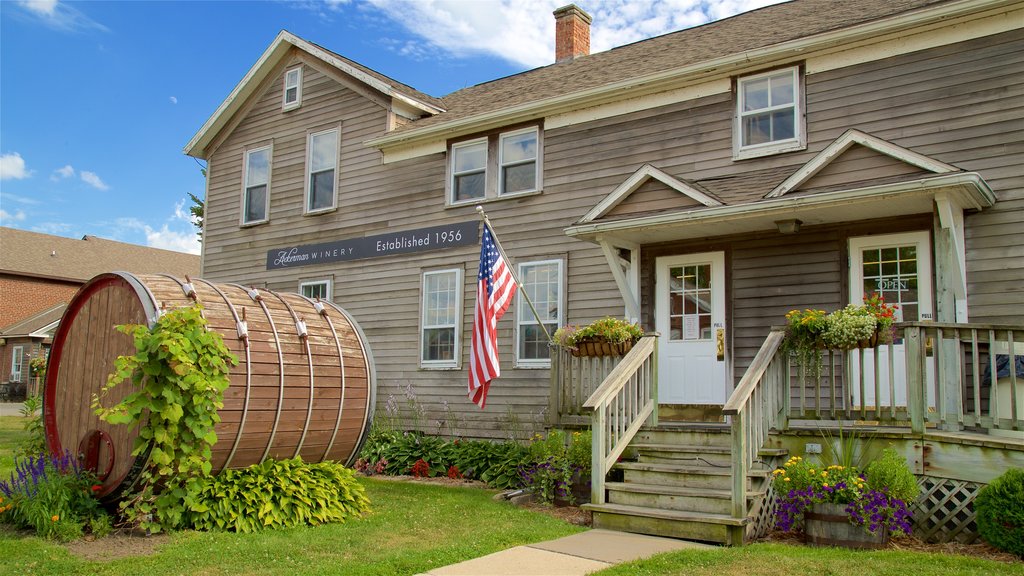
92	179
52	228
523	31
173	99
12	167
176	233
62	173
60	16
17	216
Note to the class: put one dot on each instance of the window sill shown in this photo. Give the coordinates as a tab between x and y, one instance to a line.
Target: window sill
768	149
440	367
533	365
321	211
476	201
254	224
290	107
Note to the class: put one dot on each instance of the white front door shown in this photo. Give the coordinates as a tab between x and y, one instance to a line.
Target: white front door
690	315
899	267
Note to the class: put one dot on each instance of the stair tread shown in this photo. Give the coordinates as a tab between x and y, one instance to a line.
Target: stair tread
708	470
676	490
681	447
666	514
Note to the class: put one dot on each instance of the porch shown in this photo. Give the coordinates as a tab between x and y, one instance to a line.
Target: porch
949	397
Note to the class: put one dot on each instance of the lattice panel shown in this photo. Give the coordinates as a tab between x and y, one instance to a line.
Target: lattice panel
944	512
764	515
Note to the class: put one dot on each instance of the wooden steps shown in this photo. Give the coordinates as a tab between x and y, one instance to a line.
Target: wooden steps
680	486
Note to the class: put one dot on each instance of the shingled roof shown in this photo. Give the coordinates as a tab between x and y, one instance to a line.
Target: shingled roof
742	33
45	256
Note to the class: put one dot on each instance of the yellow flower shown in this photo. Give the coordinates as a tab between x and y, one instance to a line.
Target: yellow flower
786	478
824	474
824	485
55	518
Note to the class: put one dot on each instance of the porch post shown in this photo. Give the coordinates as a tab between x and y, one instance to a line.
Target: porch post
620	268
949	292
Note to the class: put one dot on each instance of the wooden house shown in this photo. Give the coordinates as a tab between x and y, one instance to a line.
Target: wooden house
703	182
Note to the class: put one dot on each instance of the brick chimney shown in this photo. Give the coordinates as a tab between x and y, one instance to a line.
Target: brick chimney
572	33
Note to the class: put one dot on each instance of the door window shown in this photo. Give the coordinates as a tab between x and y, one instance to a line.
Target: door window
690	306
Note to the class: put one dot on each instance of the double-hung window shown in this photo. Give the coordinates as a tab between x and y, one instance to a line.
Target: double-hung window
769	114
543	283
314	289
256	192
498	165
321	170
441	310
469	170
292	89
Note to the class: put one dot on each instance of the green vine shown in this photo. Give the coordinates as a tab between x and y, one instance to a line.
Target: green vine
179	372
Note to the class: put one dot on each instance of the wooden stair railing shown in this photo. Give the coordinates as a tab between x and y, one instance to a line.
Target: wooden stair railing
759	403
626	399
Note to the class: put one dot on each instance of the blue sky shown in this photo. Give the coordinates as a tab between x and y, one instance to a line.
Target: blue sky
97	99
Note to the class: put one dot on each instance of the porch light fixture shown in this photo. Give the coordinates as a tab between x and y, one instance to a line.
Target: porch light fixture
791	226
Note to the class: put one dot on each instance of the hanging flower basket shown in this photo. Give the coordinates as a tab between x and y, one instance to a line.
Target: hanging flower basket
599	348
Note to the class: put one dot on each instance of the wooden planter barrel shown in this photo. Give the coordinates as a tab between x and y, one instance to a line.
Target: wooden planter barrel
827	524
291	395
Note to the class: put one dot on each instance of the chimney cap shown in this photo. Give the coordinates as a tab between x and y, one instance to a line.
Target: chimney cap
572	10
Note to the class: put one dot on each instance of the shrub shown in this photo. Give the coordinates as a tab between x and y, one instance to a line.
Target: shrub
1000	512
890	470
35	441
554	463
277	494
53	496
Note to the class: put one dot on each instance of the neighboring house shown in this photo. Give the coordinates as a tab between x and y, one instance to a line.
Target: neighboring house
40	273
704	182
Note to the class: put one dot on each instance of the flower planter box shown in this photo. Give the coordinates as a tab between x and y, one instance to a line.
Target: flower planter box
601	348
827	524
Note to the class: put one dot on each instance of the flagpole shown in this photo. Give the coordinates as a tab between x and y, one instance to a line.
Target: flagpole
511	269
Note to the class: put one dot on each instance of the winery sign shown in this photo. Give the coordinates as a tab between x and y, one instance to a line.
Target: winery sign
419	240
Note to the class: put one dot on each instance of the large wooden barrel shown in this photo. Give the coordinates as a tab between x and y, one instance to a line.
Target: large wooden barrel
304	384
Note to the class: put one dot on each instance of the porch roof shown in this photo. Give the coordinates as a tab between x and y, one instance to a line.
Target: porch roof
911	194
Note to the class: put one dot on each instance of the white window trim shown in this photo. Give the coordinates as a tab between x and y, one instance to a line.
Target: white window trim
501	162
521	302
309	166
799	140
456	362
452	174
328	281
245	183
285	104
17	359
493	184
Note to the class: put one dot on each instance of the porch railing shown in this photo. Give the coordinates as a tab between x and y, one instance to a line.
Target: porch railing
758	404
573	380
626	399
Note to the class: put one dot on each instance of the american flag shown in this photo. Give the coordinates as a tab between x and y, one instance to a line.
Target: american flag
494	291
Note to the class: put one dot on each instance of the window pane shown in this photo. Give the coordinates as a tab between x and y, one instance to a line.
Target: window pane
756	129
291	94
318	290
783	127
321	190
755	94
472	157
324	151
469	186
782	89
439	344
292	77
259	167
256	203
520	178
532	343
518	147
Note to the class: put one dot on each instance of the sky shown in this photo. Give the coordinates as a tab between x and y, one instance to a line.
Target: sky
98	99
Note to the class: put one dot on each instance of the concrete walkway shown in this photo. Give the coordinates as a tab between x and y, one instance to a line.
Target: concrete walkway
574	555
10	408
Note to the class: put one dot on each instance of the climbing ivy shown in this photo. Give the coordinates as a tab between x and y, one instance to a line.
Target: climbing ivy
179	372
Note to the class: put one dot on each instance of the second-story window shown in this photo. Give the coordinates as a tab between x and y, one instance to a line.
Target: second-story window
769	113
256	193
292	88
321	173
495	166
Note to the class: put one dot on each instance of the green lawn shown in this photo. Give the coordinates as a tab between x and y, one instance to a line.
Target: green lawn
11	434
784	559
